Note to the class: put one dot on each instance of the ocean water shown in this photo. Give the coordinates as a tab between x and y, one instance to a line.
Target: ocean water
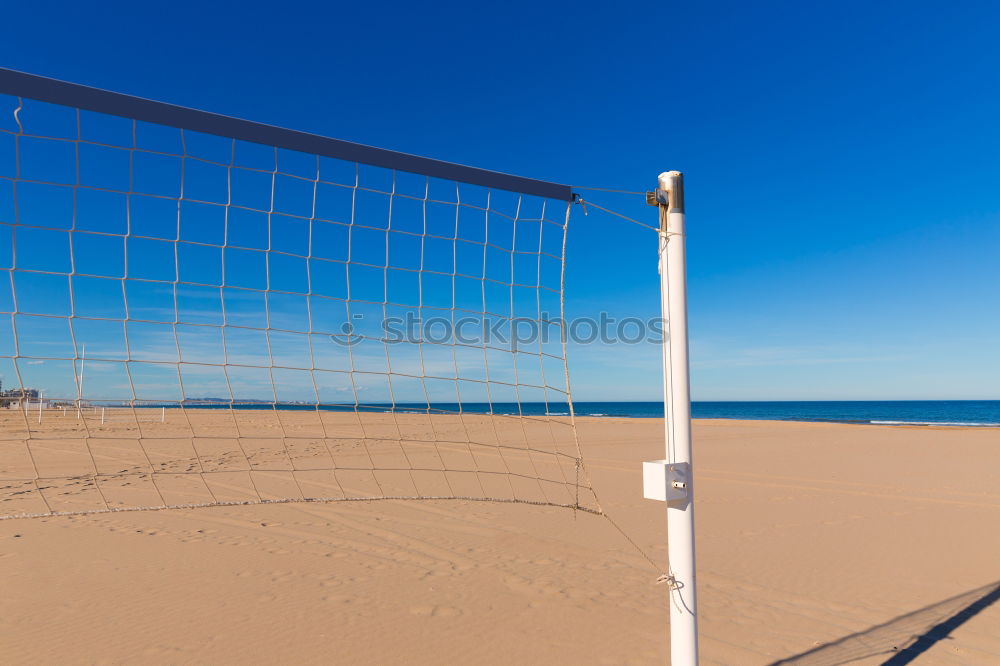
985	413
982	413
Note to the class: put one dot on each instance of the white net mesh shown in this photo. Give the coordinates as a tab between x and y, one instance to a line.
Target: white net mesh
189	319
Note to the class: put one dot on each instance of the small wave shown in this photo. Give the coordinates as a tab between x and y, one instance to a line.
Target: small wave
557	413
596	414
938	423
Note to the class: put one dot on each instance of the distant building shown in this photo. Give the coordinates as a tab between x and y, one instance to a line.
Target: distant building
21	398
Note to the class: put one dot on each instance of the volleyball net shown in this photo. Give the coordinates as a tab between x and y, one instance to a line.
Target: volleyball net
199	310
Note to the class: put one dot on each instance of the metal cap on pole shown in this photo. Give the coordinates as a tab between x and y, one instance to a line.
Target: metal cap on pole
670	480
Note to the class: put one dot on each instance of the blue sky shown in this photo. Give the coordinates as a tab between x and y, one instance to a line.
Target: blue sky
841	161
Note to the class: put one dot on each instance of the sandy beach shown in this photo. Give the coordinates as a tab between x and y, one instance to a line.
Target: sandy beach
817	544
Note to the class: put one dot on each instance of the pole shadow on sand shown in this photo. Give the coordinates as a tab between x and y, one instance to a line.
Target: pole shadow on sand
904	638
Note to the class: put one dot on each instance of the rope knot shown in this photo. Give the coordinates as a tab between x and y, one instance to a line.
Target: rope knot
669	579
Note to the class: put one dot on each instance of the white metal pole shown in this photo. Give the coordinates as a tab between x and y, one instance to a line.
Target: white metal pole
677	400
79	384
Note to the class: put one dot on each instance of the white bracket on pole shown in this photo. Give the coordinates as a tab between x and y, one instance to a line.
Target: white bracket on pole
664	481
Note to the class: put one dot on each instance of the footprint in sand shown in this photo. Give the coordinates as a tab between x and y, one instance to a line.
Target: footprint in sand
338	599
435	611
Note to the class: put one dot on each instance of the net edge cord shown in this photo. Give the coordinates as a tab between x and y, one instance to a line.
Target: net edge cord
54	91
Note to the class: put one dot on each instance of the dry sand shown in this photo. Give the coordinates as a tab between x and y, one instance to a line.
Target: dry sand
818	544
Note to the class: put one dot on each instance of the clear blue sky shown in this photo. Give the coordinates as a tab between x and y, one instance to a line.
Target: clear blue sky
842	161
